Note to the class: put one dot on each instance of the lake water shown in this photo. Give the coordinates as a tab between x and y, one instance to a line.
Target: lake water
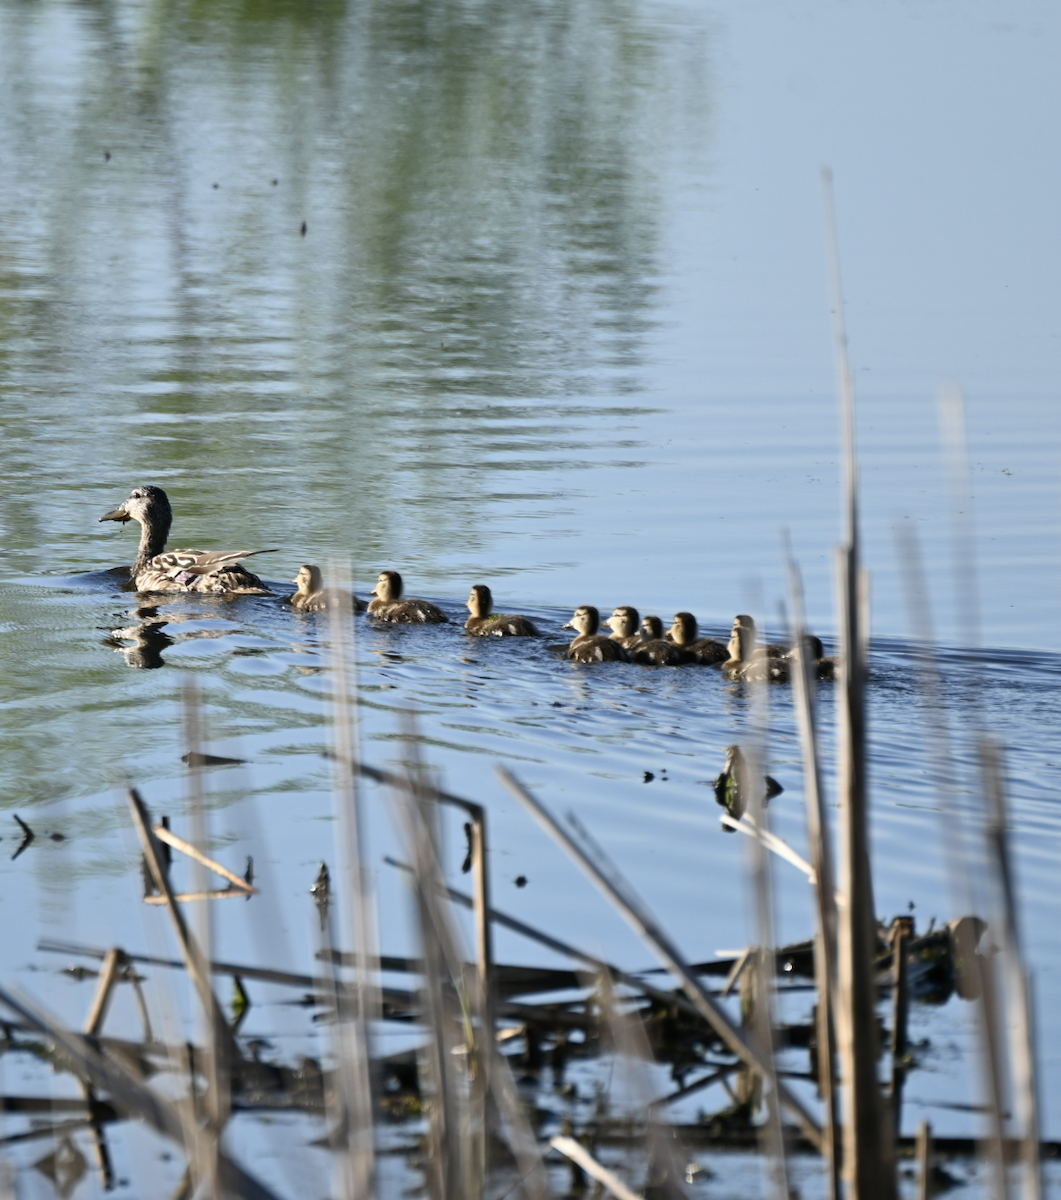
532	295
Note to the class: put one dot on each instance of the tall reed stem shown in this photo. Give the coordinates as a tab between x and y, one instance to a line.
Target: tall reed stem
869	1161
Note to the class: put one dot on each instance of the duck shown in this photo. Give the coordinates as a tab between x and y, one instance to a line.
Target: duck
625	626
654	650
750	662
704	651
651	629
823	668
587	646
744	627
156	569
313	596
731	786
389	605
485	623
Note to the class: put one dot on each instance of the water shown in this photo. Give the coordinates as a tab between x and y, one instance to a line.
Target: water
557	322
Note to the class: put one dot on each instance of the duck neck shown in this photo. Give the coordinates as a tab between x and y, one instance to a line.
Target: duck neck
152	541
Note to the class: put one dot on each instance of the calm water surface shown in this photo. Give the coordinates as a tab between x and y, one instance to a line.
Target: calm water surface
532	295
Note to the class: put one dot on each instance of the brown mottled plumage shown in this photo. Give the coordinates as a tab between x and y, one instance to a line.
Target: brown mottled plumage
587	646
389	605
484	623
159	570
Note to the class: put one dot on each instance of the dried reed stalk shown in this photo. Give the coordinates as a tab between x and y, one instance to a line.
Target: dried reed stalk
824	888
215	1059
362	1004
923	1153
171	839
205	1158
607	1179
869	1160
455	1149
763	960
1018	998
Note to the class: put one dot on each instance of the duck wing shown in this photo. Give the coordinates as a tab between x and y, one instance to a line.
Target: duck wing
200	562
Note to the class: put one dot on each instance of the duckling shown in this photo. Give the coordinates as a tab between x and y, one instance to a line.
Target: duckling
654	650
742	622
624	623
485	623
731	787
750	662
587	646
158	570
705	651
389	605
823	668
313	596
652	629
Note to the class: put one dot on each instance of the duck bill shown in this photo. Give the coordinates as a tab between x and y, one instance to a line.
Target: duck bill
117	514
567	626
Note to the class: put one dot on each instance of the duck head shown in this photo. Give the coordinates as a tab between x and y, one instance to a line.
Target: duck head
813	647
150	506
742	638
684	629
388	586
147	504
480	601
651	629
586	620
624	621
309	580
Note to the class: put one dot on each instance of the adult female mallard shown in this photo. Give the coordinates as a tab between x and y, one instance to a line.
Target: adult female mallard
313	596
389	605
684	633
159	570
587	645
625	626
654	650
484	623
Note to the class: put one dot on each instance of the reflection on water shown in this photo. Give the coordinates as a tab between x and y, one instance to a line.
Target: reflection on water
480	194
147	637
